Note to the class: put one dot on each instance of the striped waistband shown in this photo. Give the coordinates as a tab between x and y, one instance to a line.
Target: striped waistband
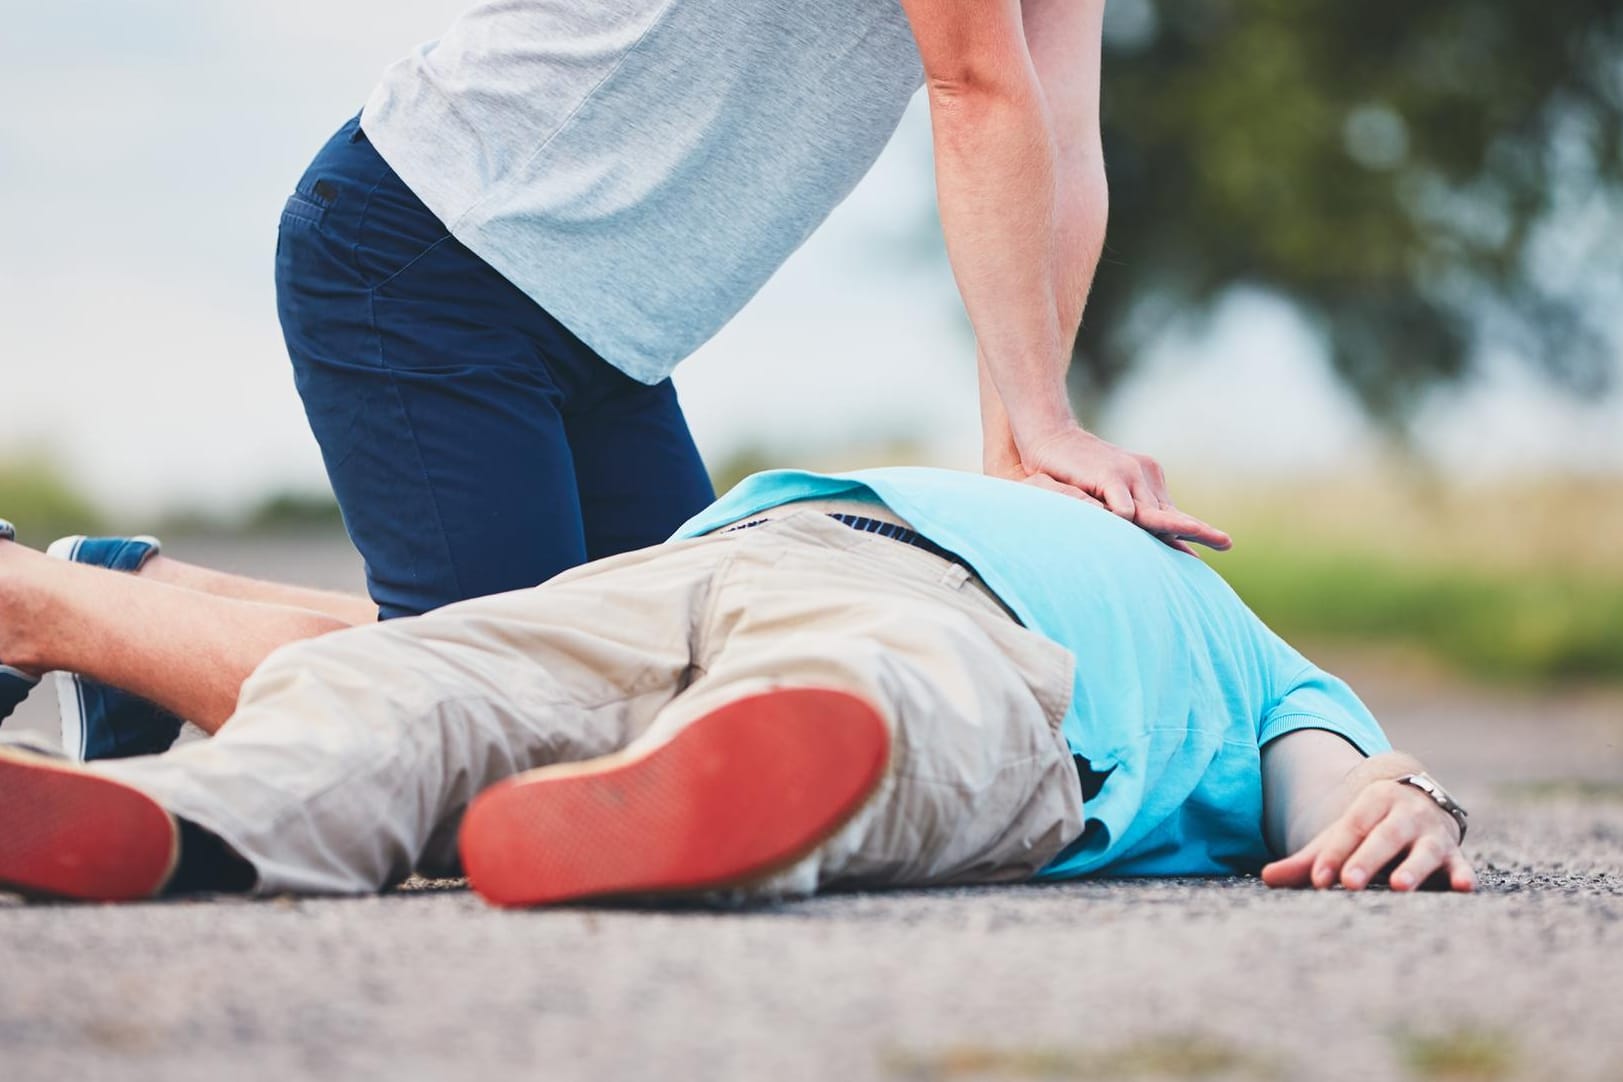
883	529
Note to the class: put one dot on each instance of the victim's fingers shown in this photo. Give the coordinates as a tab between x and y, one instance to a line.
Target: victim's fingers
1293	870
1391	837
1338	840
1426	855
1378	831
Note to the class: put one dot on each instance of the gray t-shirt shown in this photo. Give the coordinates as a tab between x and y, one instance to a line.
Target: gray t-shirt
641	167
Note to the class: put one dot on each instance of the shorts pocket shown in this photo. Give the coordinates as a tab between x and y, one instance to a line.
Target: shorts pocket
1048	668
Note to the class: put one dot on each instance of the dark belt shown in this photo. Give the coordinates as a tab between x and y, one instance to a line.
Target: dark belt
883	529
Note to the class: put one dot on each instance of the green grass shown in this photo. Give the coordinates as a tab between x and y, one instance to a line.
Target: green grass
1175	1056
1498	624
42	504
278	513
1551	790
1463	1055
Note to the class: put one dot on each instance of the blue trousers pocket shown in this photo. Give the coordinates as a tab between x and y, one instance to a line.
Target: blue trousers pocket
301	208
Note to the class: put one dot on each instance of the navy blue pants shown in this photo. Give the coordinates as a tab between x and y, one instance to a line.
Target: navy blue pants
475	445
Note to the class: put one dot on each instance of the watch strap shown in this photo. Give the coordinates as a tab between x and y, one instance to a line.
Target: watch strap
1428	785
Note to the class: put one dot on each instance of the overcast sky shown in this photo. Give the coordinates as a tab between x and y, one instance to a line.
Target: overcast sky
146	150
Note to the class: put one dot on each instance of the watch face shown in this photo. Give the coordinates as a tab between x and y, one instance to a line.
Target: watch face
1430	787
1439	796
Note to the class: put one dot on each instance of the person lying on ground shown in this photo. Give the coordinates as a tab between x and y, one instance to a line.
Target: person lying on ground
897	677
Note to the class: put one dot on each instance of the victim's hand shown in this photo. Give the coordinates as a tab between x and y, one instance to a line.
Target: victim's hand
1388	825
1130	485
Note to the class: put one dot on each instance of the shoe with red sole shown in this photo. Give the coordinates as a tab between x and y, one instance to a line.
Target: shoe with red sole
66	832
739	793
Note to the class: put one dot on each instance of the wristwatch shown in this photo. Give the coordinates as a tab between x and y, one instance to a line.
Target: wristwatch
1428	785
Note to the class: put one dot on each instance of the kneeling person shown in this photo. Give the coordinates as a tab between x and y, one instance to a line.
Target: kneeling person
893	677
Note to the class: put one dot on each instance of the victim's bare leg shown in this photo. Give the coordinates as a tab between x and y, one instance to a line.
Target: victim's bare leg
186	650
350	608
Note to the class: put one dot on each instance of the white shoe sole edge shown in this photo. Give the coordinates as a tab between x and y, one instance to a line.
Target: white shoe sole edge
70	707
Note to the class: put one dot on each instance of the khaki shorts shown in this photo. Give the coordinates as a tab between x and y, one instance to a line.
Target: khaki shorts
352	757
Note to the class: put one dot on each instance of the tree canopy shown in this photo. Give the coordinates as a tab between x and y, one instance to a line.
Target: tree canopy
1419	180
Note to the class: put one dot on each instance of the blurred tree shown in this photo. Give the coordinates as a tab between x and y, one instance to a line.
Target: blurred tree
1418	180
37	497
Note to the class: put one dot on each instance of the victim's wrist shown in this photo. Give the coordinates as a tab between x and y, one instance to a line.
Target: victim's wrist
1387	766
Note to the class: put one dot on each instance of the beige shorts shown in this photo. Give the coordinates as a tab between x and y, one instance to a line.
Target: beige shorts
352	757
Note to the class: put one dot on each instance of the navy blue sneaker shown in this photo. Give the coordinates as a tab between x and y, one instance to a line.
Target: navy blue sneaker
14	683
98	721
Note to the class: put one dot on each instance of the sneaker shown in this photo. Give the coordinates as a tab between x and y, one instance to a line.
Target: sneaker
740	793
98	721
74	834
14	683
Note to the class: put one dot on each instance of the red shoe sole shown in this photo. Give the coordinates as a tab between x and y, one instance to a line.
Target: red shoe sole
740	792
68	833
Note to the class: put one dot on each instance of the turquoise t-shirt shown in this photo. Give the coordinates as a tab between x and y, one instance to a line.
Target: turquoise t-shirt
1178	684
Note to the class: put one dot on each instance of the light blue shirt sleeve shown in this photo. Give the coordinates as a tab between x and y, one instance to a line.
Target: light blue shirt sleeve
1314	699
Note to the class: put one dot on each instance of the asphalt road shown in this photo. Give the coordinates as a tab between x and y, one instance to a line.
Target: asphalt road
1093	980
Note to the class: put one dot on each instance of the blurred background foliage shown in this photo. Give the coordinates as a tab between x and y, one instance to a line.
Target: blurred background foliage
1418	180
37	496
1505	584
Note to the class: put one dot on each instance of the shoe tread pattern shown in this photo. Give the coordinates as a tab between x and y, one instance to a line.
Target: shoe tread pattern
69	833
737	794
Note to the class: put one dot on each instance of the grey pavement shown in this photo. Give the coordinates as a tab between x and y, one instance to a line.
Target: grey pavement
1090	980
